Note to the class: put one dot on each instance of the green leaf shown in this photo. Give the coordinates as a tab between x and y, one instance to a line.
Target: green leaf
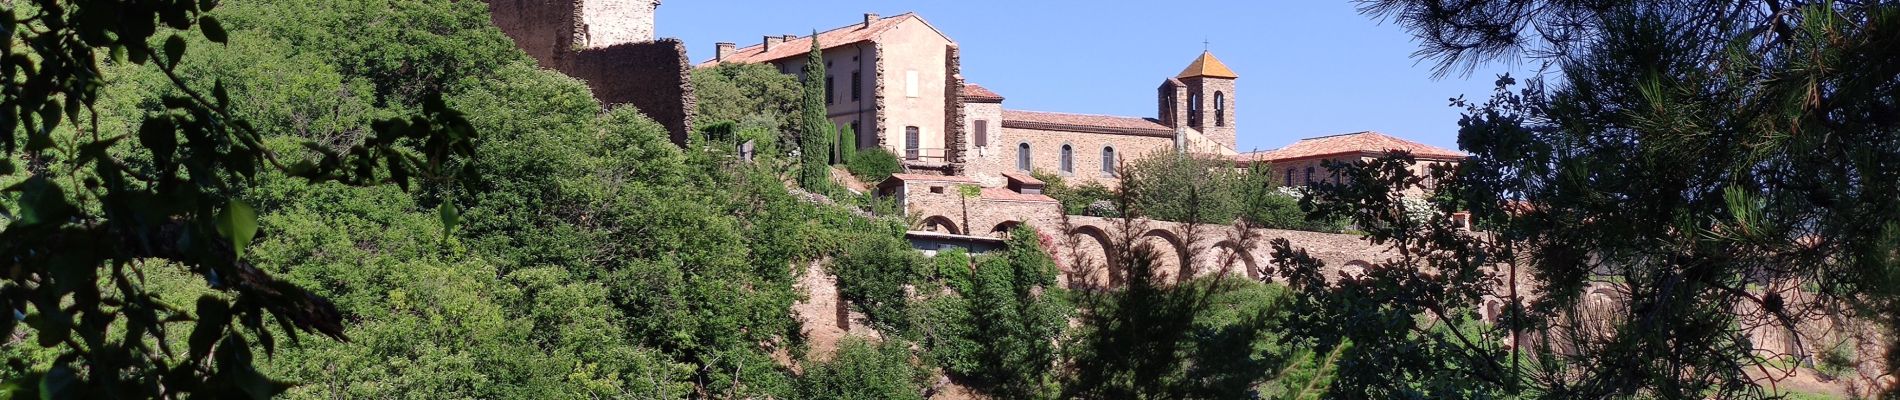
174	48
450	218
212	29
238	222
59	383
42	202
159	135
213	315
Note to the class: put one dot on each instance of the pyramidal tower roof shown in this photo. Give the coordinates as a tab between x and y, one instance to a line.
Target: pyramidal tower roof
1208	66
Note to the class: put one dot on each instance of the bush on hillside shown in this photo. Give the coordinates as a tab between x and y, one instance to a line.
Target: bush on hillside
873	165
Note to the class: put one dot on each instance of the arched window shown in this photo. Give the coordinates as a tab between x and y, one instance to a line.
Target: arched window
1194	109
1108	160
1309	176
1022	156
1220	109
1068	159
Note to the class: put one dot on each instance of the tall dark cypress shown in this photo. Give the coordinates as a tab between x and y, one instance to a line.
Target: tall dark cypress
815	134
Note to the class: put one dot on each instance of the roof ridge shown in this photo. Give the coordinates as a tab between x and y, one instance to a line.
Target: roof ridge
859	25
1076	113
1343	134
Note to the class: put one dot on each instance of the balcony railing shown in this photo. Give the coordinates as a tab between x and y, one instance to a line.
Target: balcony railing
925	155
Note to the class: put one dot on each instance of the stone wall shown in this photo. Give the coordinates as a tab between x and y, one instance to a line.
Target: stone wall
1045	150
654	77
620	63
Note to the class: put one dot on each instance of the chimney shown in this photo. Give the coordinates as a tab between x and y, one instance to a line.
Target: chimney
868	19
772	40
724	49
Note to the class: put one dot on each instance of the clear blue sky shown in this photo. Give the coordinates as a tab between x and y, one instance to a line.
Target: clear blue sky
1306	68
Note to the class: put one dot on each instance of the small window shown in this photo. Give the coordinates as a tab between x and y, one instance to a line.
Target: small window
1022	156
910	83
1220	109
857	85
1289	178
829	84
911	137
1309	176
1108	161
982	133
1068	159
936	189
1194	110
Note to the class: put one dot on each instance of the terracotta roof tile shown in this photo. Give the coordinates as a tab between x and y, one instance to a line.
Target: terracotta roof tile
1363	143
1086	123
800	46
1208	66
1011	195
978	93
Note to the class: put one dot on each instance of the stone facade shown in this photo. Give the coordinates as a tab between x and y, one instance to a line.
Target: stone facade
609	44
906	78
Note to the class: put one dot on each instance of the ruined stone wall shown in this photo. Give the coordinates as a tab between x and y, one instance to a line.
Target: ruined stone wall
621	63
654	77
542	28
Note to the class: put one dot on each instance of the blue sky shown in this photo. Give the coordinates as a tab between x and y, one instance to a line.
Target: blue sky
1307	68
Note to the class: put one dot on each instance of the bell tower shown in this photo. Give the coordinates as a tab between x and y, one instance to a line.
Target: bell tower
1209	103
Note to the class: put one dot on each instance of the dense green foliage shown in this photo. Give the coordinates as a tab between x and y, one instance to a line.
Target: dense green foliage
874	165
865	371
1092	198
847	145
995	326
1713	162
753	95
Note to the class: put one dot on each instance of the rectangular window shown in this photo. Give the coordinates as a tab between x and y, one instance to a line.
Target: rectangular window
982	133
910	83
911	139
857	85
829	84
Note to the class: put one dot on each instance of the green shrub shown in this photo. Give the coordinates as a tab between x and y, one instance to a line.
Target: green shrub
874	165
866	371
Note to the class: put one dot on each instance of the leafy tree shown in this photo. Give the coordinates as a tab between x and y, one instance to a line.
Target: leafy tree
757	94
814	137
866	371
1184	186
873	269
91	210
1714	163
998	328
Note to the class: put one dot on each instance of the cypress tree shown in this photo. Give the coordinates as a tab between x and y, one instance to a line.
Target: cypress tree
847	145
815	135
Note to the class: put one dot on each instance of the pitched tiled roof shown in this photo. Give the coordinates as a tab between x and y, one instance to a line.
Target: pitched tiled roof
1208	66
1085	123
800	46
1363	143
978	93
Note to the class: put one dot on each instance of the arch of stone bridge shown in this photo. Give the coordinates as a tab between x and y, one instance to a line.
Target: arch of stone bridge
1090	261
1230	254
939	221
1171	253
1002	229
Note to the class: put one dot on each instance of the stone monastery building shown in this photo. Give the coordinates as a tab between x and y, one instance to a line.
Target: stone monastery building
897	82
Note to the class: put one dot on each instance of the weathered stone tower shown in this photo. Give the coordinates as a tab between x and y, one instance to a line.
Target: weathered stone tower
609	22
1202	97
611	45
